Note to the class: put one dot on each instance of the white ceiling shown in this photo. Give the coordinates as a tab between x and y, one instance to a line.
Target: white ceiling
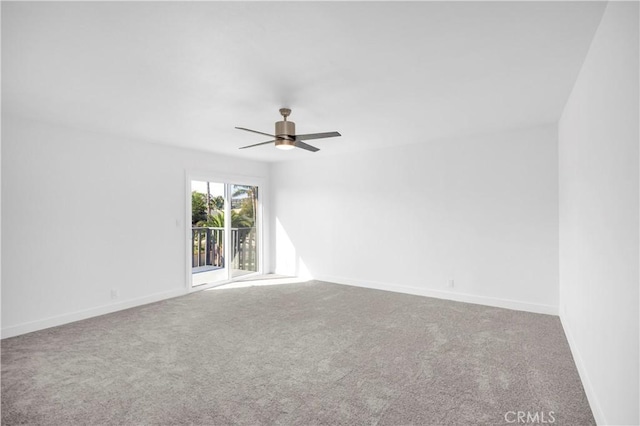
383	73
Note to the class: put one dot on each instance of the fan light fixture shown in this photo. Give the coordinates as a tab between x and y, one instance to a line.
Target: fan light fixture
285	144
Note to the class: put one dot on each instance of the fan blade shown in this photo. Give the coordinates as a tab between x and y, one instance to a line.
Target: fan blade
317	136
303	145
258	144
255	131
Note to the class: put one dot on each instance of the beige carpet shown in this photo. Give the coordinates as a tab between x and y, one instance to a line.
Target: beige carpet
296	354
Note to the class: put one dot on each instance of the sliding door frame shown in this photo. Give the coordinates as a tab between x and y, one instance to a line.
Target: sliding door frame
226	179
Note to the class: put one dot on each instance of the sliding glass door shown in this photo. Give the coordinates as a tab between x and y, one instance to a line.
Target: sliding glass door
224	242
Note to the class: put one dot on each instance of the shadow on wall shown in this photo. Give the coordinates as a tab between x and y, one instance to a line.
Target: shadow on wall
287	260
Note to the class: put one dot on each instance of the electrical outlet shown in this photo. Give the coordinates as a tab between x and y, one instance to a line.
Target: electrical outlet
450	284
115	293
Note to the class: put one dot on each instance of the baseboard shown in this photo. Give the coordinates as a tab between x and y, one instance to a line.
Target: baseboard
582	372
28	327
448	295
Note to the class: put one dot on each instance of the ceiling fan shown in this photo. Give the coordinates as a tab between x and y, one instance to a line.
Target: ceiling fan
286	138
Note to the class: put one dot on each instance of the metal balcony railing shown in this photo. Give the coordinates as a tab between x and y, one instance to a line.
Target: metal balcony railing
207	248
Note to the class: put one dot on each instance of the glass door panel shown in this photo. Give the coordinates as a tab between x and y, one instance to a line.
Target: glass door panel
244	235
208	264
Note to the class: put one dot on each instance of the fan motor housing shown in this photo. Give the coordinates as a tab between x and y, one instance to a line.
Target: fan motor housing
285	129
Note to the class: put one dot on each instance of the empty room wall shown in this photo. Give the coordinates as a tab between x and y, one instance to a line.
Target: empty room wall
85	213
481	211
598	155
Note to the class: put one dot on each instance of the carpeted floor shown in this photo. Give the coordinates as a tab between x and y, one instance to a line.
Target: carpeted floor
297	354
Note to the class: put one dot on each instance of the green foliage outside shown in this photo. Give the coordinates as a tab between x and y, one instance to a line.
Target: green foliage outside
198	207
242	217
248	205
217	203
238	220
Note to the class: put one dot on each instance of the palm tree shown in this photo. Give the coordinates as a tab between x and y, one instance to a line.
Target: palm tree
251	193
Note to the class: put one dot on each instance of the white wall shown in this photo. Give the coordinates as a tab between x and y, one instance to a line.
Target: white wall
479	210
598	169
84	213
